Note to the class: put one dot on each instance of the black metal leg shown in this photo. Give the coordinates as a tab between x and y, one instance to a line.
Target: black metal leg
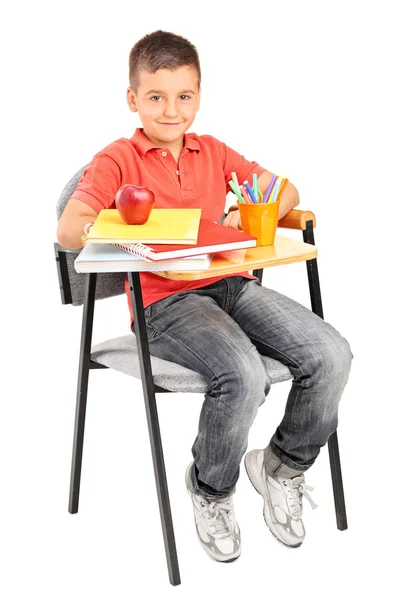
333	445
258	273
154	429
337	482
83	377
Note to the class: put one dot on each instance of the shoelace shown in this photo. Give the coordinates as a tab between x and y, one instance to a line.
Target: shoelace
295	489
218	515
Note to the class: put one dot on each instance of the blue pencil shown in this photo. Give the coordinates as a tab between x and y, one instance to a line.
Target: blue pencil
250	192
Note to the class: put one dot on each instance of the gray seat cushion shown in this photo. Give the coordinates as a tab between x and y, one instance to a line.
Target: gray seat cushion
121	354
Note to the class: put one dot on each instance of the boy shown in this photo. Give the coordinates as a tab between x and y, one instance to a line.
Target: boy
218	326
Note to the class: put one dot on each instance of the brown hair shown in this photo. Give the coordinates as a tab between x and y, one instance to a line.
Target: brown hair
161	50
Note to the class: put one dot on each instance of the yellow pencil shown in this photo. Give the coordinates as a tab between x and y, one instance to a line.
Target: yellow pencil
275	190
283	185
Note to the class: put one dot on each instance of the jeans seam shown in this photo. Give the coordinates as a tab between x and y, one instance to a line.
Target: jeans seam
295	409
218	400
277	352
190	350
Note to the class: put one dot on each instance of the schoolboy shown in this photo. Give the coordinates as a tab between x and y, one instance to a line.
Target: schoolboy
218	326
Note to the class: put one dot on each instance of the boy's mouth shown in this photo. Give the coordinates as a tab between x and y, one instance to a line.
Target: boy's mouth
171	124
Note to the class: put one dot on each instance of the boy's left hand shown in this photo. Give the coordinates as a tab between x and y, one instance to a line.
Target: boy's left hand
232	219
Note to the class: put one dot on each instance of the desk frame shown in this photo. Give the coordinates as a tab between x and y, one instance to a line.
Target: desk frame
149	391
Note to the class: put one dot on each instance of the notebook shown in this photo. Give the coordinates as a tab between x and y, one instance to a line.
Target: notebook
103	258
165	225
212	238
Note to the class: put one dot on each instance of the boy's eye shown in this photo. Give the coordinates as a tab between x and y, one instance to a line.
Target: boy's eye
158	98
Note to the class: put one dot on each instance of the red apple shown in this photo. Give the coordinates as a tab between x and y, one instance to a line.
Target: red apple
134	203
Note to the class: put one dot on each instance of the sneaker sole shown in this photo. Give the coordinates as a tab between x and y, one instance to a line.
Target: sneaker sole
259	485
231	558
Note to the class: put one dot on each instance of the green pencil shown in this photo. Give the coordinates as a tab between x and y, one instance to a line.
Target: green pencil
236	191
255	185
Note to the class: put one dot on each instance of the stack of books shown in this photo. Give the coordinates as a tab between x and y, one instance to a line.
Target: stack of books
173	239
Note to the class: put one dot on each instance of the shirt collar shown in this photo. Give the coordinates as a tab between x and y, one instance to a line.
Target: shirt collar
143	144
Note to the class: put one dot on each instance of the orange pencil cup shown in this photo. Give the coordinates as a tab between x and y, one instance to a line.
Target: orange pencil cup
260	220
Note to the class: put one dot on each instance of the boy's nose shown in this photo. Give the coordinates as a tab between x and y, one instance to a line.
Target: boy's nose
170	110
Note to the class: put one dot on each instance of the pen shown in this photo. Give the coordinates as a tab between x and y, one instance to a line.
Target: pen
269	188
250	192
236	191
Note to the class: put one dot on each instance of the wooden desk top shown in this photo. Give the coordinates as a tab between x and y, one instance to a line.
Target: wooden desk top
283	251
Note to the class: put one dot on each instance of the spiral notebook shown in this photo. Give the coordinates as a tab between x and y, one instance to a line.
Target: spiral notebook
104	258
212	237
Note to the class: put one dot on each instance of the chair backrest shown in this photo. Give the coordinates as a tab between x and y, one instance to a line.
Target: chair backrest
71	282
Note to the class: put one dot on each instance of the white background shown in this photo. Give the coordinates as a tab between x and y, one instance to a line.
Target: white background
309	90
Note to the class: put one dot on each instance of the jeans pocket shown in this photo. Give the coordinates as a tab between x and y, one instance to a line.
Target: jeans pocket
147	314
152	332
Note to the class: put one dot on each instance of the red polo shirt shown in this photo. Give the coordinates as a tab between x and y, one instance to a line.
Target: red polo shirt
199	180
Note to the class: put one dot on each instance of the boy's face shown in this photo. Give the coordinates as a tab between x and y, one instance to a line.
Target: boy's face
167	102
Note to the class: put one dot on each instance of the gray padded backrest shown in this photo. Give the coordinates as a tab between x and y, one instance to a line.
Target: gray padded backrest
108	284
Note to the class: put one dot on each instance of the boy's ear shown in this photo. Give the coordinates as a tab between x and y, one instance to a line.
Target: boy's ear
131	99
198	103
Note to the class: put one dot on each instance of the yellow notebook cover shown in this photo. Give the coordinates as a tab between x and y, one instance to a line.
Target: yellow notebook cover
165	226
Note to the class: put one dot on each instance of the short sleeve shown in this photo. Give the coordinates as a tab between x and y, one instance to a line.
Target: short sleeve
99	183
244	169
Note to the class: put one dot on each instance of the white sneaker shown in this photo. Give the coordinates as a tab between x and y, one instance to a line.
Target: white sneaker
216	525
282	499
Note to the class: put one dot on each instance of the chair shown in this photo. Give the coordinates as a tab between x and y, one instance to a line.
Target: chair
129	355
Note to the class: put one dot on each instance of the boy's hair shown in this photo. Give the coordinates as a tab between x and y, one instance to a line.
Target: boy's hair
161	50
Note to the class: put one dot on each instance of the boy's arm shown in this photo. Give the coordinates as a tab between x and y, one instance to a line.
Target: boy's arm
95	191
289	199
75	216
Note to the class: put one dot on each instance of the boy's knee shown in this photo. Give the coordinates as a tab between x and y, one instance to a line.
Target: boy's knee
258	382
341	355
247	379
334	357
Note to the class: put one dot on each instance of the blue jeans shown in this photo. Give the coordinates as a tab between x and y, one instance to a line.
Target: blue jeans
220	331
